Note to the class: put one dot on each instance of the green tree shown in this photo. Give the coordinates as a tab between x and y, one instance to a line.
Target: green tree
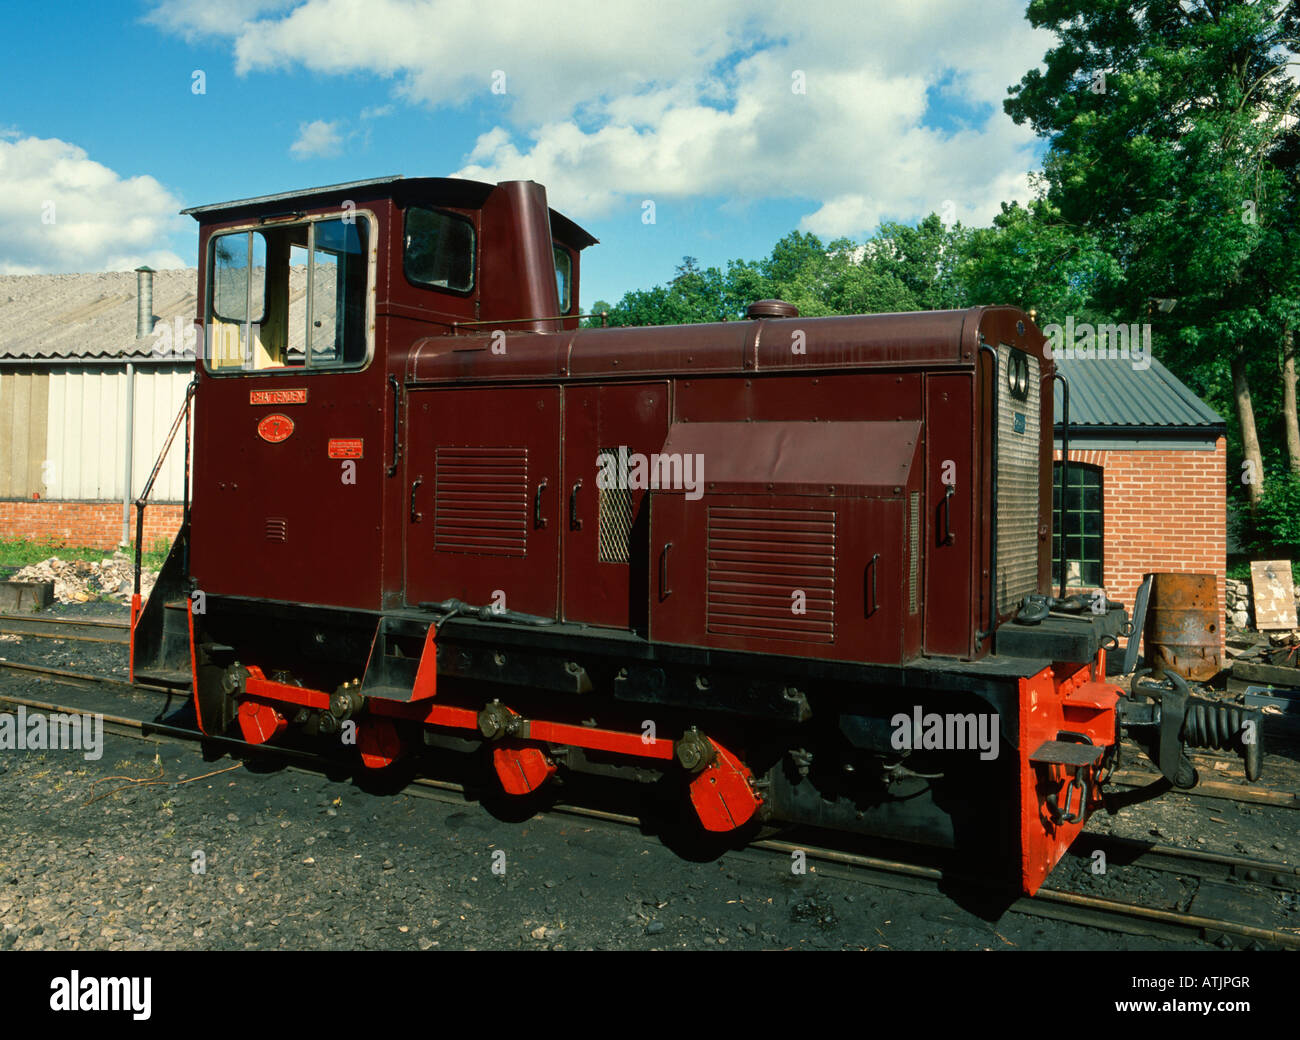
1031	258
1171	130
925	259
901	268
694	295
597	308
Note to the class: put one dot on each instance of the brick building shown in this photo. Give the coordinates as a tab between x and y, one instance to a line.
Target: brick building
1148	472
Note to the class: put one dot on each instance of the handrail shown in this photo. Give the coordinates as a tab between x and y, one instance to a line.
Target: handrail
995	385
143	500
1065	469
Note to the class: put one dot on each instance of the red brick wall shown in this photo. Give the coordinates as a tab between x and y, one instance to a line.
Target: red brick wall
95	524
1162	511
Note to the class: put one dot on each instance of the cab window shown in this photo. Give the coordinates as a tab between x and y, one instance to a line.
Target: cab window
290	296
438	250
563	276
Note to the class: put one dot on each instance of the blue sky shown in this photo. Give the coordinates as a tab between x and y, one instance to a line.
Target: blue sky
740	121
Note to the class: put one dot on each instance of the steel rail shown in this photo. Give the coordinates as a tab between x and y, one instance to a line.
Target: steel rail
82	622
56	628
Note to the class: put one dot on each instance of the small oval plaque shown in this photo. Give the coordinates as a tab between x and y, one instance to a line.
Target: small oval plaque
275	428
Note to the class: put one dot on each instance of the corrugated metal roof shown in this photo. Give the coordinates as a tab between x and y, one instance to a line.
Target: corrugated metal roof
88	316
1110	393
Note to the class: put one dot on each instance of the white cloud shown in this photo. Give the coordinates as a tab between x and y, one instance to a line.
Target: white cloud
62	211
317	140
212	17
607	105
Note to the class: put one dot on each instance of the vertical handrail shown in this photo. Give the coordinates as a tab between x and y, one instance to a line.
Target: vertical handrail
143	500
1065	469
185	489
995	387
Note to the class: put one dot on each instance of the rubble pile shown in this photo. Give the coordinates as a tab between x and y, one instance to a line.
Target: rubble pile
1241	612
80	581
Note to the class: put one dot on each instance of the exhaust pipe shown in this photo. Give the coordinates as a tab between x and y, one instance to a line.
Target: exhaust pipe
144	318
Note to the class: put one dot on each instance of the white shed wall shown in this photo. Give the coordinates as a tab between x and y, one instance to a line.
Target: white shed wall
86	435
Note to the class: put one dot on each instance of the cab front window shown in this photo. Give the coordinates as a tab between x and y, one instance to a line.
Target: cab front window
290	297
438	250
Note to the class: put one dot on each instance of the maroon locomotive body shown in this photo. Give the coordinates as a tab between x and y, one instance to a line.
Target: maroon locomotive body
760	559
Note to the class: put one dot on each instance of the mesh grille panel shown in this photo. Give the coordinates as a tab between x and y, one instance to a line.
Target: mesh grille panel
1018	470
914	555
615	509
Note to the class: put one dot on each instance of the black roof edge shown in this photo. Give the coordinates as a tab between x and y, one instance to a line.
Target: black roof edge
452	191
571	234
305	193
1146	432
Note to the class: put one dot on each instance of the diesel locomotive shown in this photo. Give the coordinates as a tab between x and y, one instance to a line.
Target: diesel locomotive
796	569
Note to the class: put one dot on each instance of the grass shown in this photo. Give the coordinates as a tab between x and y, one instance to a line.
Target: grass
20	552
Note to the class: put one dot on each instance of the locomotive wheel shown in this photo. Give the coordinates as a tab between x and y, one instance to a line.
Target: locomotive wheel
513	808
259	722
681	831
522	770
379	742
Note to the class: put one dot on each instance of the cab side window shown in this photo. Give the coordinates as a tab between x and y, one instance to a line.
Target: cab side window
438	250
290	297
563	277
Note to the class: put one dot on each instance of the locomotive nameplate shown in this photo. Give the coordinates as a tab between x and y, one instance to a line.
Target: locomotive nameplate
345	447
275	428
297	395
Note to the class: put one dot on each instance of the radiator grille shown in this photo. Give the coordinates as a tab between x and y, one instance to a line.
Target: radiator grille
914	554
481	501
771	572
1019	444
615	514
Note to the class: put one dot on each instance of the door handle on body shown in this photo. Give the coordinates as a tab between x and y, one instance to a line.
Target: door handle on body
574	522
538	519
415	486
664	590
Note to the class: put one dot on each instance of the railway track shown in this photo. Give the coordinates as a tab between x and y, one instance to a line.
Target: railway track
118	632
1217	876
82	630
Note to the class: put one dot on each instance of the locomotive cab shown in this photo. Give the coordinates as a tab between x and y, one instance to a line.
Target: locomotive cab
310	303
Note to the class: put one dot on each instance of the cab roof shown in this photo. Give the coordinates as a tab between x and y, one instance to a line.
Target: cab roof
448	191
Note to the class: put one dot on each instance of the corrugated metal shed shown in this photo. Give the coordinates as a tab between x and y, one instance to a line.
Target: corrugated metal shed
70	361
1111	395
73	316
85	450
